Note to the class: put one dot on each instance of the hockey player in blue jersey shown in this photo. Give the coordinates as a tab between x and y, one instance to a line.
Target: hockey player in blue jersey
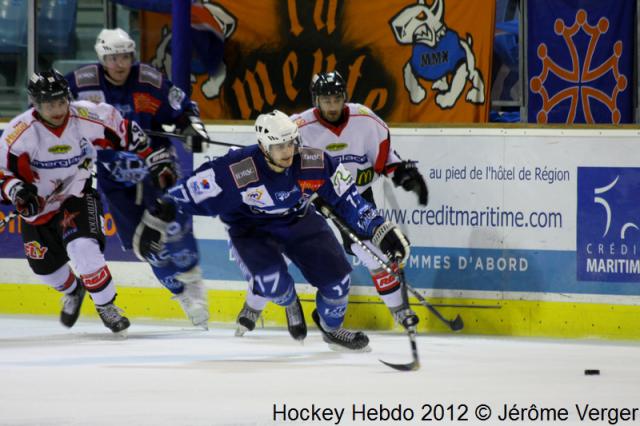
143	94
353	135
262	193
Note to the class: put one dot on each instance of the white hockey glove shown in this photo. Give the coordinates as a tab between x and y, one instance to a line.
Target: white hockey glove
388	238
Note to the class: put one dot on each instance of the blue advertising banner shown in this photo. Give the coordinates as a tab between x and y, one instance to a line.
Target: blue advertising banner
608	233
580	61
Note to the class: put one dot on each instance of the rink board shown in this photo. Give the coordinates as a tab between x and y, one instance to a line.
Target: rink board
532	232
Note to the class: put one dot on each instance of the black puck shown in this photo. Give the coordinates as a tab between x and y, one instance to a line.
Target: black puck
591	372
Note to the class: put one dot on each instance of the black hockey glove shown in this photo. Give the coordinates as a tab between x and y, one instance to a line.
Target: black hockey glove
24	197
409	178
388	238
162	167
152	232
197	131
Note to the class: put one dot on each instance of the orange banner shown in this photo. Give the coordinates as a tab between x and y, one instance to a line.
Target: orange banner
424	61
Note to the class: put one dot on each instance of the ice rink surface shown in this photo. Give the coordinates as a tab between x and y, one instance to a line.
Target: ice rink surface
166	373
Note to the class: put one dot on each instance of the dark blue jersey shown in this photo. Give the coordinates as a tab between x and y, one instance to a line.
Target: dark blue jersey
248	195
146	96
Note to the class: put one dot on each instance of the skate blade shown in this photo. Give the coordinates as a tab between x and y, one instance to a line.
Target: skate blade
121	335
338	348
203	325
241	330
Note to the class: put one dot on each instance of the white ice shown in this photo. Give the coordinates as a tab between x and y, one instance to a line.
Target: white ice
167	373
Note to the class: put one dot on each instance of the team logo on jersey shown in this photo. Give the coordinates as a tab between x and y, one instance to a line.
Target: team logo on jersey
311	185
341	180
299	121
144	102
439	56
59	149
338	146
34	250
17	131
176	96
203	185
364	176
283	195
257	196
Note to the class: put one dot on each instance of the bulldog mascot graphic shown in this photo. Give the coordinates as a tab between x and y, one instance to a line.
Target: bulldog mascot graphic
438	56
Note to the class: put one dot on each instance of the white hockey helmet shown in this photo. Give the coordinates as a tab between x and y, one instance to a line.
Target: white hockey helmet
113	42
275	128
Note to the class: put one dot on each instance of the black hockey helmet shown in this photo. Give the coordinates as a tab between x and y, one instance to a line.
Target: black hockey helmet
328	83
47	86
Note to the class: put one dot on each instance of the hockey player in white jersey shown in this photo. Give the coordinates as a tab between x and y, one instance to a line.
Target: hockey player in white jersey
360	140
46	159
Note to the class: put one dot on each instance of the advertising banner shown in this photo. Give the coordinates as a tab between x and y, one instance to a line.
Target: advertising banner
523	213
410	61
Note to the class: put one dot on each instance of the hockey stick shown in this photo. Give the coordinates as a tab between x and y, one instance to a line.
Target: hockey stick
455	325
187	139
411	332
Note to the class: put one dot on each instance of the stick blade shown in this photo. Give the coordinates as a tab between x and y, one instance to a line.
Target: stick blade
412	366
456	324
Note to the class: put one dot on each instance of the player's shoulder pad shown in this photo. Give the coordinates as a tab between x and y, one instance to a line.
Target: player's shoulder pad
363	110
303	117
149	75
299	120
87	109
87	76
356	108
17	127
311	158
244	172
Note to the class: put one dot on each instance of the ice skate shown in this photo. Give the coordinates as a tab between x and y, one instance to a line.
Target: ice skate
71	304
342	339
193	301
247	319
112	318
405	316
295	320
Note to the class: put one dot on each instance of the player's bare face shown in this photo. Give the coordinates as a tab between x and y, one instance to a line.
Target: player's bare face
282	154
54	112
331	107
118	67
